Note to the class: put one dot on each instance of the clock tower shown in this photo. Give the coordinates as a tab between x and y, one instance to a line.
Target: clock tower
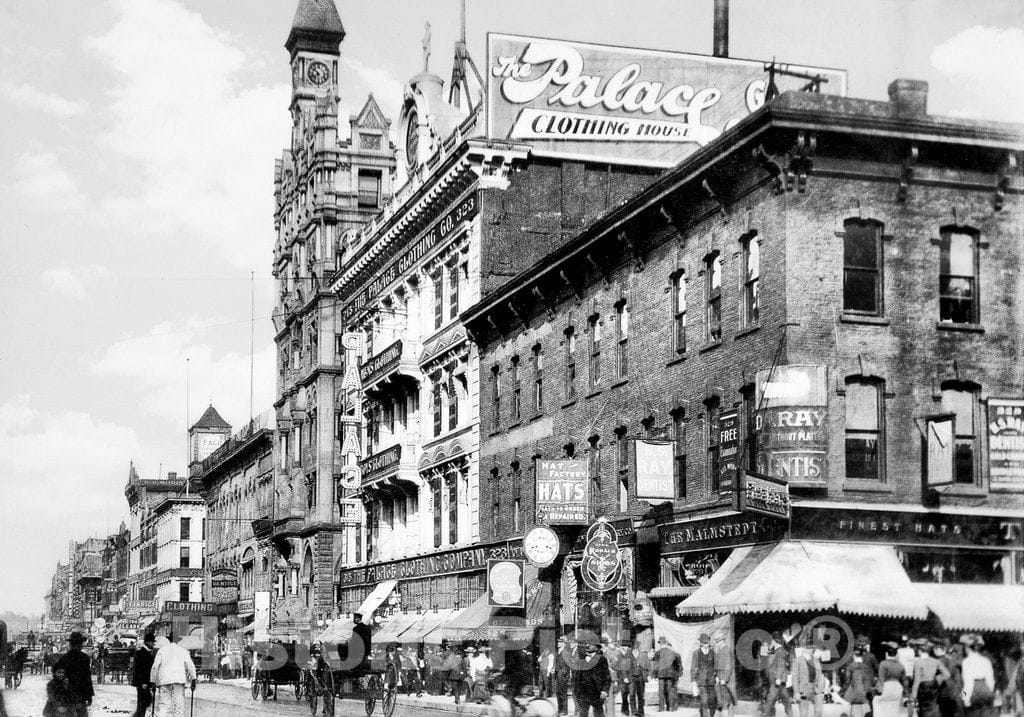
313	45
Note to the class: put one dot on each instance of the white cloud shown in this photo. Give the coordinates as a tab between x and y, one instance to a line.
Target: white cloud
42	180
153	367
199	140
75	281
385	87
65	479
979	62
30	98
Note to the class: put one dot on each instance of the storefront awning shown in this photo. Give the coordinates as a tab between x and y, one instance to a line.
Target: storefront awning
395	626
147	620
969	606
375	598
793	576
482	622
429	623
249	628
338	631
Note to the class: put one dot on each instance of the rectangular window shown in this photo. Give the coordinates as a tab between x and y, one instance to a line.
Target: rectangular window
749	459
453	405
862	268
435	497
595	351
438	280
183	557
679	313
453	292
714	308
714	449
622	339
594	466
186	528
517	389
623	494
958	278
961	404
183	589
495	511
435	404
751	280
515	516
369	188
538	378
496	394
679	459
453	507
863	431
570	363
311	491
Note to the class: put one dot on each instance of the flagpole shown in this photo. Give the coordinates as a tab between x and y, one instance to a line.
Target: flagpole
187	360
252	338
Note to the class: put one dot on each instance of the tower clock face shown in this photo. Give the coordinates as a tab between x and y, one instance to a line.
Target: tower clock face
318	73
541	546
412	141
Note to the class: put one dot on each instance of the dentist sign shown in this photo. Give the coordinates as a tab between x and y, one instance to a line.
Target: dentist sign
622	105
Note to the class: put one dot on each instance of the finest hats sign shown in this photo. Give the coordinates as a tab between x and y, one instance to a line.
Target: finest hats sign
619	104
563	492
602	563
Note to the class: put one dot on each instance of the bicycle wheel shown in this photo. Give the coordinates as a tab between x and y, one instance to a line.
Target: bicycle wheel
390	690
298	689
312	696
265	688
328	693
254	686
373	689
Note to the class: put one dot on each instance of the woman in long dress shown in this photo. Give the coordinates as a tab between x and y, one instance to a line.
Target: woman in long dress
890	677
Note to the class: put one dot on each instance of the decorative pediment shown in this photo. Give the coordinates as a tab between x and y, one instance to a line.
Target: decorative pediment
371	116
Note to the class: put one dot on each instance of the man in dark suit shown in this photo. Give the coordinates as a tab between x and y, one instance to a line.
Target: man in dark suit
591	682
75	664
361	632
142	663
777	672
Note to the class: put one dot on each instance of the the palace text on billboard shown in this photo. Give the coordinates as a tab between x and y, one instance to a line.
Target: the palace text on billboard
563	497
625	105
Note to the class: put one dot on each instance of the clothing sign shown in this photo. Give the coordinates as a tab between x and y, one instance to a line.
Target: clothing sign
655	476
940	438
792	423
563	492
763	495
617	104
1006	444
506	583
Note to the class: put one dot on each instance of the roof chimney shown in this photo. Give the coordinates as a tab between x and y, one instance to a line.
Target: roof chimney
171	475
721	48
909	98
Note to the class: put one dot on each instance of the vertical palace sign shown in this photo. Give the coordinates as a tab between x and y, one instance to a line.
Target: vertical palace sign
619	104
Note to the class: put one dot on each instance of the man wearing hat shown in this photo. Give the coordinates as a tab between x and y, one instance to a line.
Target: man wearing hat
591	681
142	663
563	675
929	676
667	666
777	674
361	640
172	669
75	664
704	675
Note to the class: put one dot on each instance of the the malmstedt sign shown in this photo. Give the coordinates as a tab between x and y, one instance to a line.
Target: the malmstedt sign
617	104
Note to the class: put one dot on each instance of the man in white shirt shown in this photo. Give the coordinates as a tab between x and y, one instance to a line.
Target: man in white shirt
172	668
974	669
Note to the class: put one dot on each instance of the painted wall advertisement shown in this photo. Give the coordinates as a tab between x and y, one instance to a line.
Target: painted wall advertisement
1006	443
655	482
563	492
619	104
792	423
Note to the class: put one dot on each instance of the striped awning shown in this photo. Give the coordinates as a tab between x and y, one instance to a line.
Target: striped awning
393	628
795	576
981	608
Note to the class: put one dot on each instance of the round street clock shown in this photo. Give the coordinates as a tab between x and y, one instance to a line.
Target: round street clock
412	141
318	73
541	546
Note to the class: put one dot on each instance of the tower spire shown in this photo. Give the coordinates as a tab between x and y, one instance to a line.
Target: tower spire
317	26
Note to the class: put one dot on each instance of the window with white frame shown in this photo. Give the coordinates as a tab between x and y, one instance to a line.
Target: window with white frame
679	312
713	315
864	430
751	311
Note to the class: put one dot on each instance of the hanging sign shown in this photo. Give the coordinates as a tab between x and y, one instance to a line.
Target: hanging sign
601	567
728	449
563	495
506	583
1006	444
762	495
792	423
655	478
940	441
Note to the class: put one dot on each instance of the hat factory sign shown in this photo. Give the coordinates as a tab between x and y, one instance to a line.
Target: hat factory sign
563	496
619	104
601	567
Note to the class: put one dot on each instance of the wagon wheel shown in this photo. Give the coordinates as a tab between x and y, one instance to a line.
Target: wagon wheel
17	679
298	688
265	687
254	687
312	696
374	689
390	690
328	692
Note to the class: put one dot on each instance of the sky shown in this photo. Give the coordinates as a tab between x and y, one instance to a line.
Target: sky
138	144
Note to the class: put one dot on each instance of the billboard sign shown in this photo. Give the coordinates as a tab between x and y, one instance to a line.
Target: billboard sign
655	475
1006	443
792	423
506	584
619	104
728	449
563	492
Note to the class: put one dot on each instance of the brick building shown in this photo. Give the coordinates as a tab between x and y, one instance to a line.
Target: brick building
810	297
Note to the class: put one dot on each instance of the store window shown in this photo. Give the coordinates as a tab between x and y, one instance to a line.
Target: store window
751	312
958	277
679	312
862	267
863	430
713	316
960	399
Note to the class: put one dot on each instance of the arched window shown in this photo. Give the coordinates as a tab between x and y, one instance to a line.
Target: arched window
864	434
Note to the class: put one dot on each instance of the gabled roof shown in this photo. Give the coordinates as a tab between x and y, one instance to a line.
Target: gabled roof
211	419
371	115
315	18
